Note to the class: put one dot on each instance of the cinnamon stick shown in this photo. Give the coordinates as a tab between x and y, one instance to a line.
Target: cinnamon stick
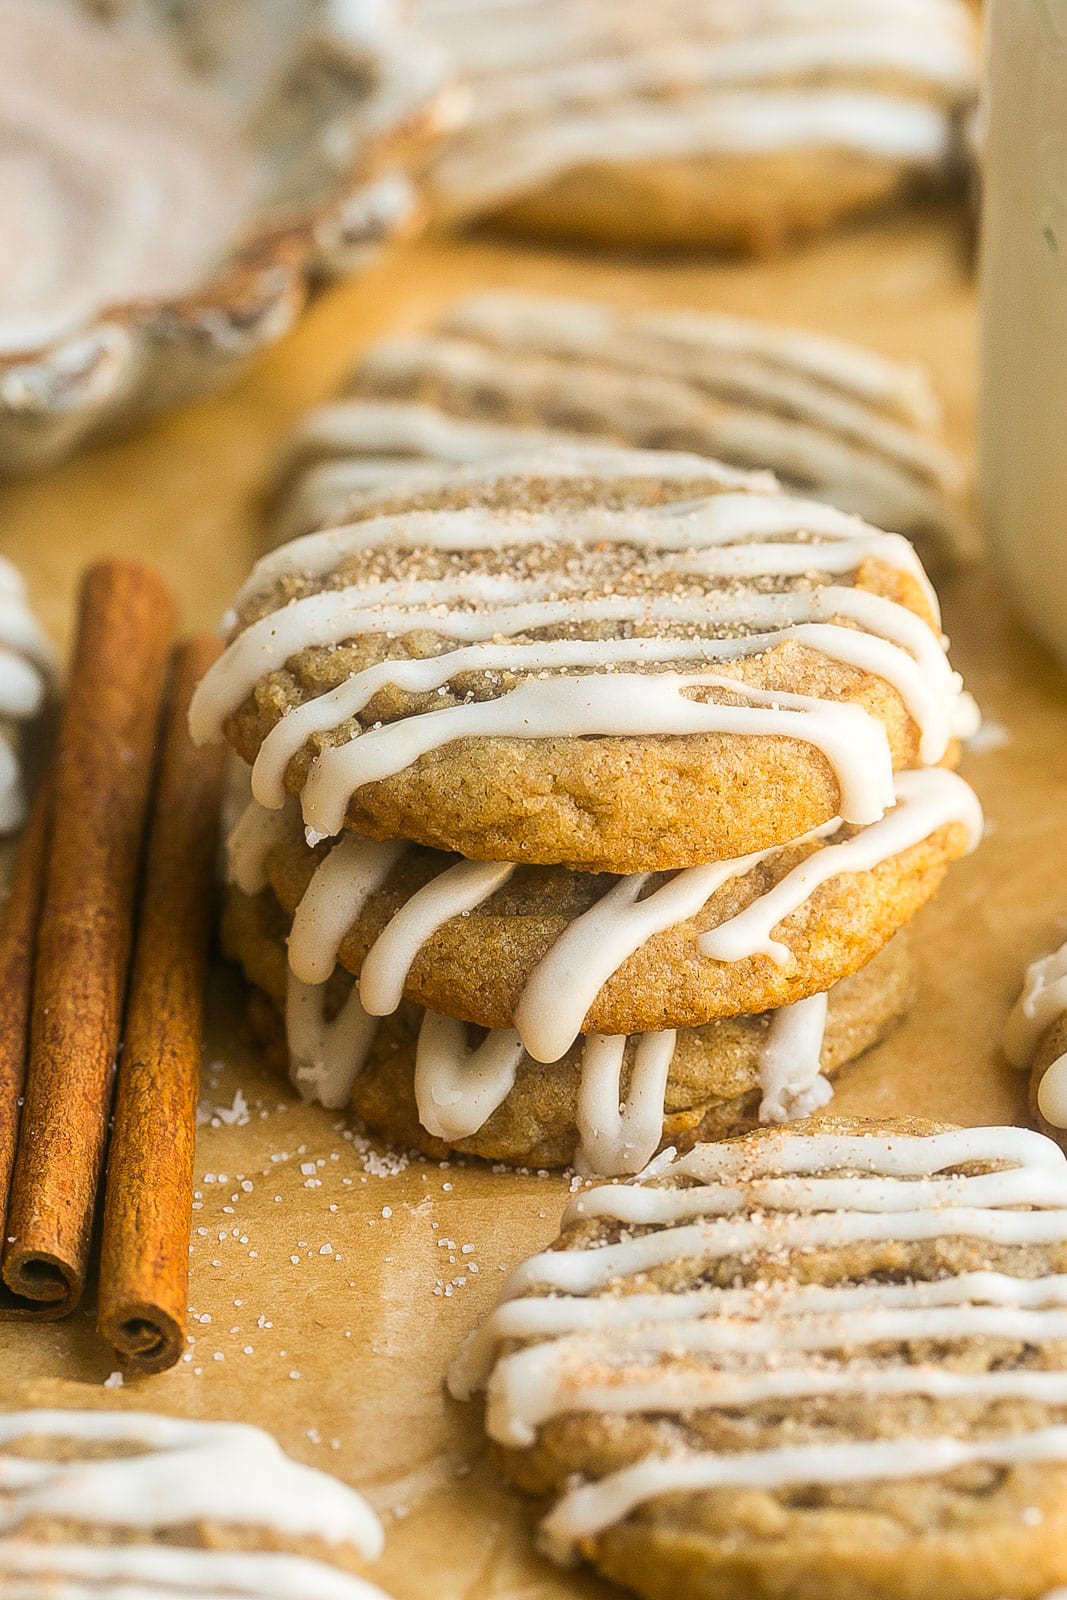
144	1266
102	772
18	936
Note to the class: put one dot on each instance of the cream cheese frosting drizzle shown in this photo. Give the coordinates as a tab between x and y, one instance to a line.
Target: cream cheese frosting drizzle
182	1473
638	1349
575	686
1042	1002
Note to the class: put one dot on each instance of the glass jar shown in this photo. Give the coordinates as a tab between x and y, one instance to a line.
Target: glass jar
1022	430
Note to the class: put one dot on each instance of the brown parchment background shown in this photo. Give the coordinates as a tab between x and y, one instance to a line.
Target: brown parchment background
349	1344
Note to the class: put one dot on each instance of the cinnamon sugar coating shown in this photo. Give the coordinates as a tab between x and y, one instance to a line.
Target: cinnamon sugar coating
617	803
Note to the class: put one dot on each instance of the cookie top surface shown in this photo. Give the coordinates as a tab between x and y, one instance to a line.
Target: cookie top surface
553	953
559	87
506	371
835	1350
606	1106
27	666
551	667
162	1504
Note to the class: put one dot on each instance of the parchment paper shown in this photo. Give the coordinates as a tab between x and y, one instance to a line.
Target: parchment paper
329	1288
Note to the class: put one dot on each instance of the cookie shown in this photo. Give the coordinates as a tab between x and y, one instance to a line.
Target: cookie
607	1105
1035	1040
553	953
135	1503
552	668
503	372
829	1360
27	667
683	124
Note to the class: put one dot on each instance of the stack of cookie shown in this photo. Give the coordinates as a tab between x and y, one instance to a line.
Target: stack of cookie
697	121
503	372
611	780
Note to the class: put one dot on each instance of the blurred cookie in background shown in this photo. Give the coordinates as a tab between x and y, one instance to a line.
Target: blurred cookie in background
506	372
730	124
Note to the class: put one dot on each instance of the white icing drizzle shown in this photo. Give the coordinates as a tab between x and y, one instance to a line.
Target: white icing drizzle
251	840
585	1512
926	801
616	1138
562	988
1042	1002
791	1080
715	522
186	1472
27	663
1052	1093
169	1572
452	893
647	1350
338	890
325	1058
456	1089
711	540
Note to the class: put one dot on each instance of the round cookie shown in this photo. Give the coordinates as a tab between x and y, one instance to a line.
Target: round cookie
550	668
696	124
712	1088
138	1504
503	372
554	953
825	1360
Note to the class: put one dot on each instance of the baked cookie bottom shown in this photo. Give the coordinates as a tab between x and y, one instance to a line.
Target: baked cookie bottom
754	204
979	1531
712	1089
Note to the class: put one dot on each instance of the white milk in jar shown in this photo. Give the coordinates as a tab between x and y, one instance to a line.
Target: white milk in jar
1022	471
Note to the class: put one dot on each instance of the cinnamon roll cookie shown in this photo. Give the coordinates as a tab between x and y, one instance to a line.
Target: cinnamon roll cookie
829	1360
132	1503
27	666
504	372
606	1105
686	123
641	664
1035	1040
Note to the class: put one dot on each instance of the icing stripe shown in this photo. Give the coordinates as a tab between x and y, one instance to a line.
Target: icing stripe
456	1089
169	1572
188	1472
563	986
534	1317
1041	1004
326	1058
584	1512
617	1138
